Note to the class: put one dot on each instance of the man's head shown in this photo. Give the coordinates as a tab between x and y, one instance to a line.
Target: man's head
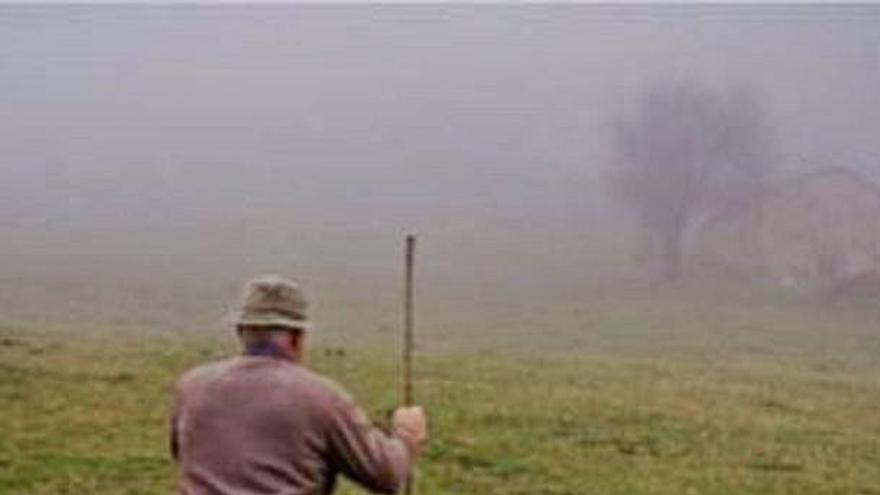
273	314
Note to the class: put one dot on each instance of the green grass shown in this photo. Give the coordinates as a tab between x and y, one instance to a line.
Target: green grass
626	394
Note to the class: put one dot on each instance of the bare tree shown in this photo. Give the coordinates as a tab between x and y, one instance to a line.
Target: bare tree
685	152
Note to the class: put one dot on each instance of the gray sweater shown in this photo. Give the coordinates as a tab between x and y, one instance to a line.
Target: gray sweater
255	425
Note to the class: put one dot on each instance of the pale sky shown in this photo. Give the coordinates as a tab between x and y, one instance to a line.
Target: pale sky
194	123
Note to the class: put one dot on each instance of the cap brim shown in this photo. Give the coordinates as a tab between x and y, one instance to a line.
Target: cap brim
270	320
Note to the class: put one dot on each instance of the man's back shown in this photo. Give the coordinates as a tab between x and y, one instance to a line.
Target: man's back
261	425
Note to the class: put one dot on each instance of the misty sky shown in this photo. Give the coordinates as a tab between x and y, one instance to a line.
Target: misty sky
288	123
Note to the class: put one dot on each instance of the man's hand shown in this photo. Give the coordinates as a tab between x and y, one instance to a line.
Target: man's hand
410	424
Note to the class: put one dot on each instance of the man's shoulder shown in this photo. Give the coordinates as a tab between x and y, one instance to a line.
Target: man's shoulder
336	390
204	372
322	386
307	381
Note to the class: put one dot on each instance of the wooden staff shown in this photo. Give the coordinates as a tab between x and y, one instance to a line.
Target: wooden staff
408	320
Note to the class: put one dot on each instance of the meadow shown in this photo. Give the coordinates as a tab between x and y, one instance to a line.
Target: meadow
673	393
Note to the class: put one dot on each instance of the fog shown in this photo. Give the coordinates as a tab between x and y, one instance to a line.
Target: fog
209	143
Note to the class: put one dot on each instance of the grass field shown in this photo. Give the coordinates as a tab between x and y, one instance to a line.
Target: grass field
630	394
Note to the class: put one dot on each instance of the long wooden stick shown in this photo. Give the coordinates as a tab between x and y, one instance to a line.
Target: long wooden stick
408	321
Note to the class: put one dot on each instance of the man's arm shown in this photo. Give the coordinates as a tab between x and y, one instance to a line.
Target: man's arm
378	461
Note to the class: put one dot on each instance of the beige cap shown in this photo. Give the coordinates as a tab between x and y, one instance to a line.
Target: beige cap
272	300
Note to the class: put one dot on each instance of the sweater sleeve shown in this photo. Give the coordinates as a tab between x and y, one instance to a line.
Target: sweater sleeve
362	452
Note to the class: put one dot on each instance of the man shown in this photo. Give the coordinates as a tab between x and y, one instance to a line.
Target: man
261	423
